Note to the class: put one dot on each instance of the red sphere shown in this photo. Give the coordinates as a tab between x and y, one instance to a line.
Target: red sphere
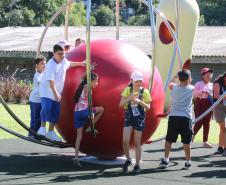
164	33
115	61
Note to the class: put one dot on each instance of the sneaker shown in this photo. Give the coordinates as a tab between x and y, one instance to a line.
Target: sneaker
42	131
126	166
163	164
52	136
224	153
76	163
187	165
89	130
207	145
219	151
136	169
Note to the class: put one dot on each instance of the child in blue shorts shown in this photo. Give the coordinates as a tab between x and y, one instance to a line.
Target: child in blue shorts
51	87
81	113
34	99
136	101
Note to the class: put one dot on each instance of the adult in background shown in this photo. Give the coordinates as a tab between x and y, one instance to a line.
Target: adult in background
203	96
219	112
79	41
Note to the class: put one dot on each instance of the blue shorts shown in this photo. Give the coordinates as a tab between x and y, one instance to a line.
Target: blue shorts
81	118
50	110
136	122
35	116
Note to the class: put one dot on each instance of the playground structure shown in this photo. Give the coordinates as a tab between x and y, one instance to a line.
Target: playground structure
173	35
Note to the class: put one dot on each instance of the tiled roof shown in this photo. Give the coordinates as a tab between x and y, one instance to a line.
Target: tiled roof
209	41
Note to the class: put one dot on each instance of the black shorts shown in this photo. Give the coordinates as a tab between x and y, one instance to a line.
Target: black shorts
137	122
179	125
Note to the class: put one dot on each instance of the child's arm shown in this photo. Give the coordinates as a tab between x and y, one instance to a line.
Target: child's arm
146	106
173	82
53	88
78	64
125	100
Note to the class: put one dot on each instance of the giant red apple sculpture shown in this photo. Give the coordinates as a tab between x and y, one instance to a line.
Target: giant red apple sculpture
115	61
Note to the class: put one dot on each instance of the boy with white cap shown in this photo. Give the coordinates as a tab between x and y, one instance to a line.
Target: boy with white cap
136	101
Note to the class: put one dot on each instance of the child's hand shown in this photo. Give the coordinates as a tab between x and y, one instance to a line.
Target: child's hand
84	63
58	98
137	100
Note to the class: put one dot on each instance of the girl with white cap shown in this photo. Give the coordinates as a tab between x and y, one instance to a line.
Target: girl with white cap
136	101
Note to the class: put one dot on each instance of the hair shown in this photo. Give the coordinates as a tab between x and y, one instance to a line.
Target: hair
39	59
57	47
220	78
184	75
81	86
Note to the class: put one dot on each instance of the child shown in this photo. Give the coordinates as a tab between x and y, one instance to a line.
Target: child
50	90
35	101
180	117
136	101
81	113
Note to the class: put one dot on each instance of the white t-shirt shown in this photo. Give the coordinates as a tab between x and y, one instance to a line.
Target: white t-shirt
182	101
34	96
56	72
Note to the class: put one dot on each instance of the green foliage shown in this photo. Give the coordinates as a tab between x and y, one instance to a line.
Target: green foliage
139	20
214	12
104	16
77	16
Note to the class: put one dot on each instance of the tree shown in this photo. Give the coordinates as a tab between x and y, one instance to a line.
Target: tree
139	20
77	16
104	16
214	12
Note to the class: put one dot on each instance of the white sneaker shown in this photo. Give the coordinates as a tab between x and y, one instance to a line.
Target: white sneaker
52	136
42	131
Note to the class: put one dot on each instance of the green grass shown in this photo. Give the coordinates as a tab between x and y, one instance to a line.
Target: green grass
23	112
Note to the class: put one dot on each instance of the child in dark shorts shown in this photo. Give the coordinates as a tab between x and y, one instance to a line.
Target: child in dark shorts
180	117
135	100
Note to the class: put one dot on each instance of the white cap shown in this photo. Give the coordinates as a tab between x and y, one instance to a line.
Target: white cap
63	43
137	75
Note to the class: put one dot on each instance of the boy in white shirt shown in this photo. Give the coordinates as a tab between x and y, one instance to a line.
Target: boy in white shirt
35	101
51	87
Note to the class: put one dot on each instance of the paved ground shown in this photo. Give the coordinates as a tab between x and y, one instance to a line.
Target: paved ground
22	163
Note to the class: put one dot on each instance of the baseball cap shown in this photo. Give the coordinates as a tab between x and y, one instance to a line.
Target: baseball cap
206	70
137	75
63	43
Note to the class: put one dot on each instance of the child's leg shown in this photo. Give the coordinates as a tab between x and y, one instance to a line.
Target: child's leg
126	138
78	141
137	139
168	146
187	151
222	135
32	114
37	117
98	114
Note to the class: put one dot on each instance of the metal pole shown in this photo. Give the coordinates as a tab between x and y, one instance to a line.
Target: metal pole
88	64
66	22
152	21
117	19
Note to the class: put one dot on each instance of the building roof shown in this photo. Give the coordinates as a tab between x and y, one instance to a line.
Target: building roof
209	41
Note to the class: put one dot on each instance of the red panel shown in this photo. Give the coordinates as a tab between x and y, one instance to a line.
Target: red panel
164	33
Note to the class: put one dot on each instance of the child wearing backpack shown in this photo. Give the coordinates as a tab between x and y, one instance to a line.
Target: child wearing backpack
136	101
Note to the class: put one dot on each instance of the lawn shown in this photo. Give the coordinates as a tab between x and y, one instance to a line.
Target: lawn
23	112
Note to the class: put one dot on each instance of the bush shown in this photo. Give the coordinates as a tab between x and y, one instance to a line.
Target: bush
14	91
139	20
104	16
